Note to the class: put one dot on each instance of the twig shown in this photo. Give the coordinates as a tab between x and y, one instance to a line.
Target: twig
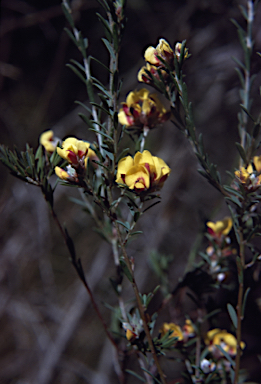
140	306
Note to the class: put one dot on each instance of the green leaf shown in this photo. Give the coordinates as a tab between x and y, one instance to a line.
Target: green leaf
115	37
90	90
227	356
104	4
110	48
243	11
241	152
75	70
98	61
68	13
84	106
241	77
103	89
135	375
149	373
125	225
232	314
247	112
106	26
239	63
71	36
86	119
126	270
101	108
234	200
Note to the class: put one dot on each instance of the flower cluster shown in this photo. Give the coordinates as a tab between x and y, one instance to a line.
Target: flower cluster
159	61
144	172
225	340
142	110
180	334
77	153
220	246
250	177
174	329
49	141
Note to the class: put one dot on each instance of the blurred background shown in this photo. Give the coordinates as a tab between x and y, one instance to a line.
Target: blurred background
49	330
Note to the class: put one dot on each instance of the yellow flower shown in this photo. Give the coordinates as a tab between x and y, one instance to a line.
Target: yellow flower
130	334
188	329
145	78
257	163
76	151
69	175
249	176
176	330
163	50
142	109
177	51
142	172
154	65
48	141
222	227
224	339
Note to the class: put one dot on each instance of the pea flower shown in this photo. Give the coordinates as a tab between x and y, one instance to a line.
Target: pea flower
154	65
133	328
142	110
144	77
68	175
49	141
225	340
162	50
77	153
178	51
143	172
221	227
250	176
176	330
188	330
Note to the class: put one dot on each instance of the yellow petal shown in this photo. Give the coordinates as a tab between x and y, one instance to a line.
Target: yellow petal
123	166
132	98
142	73
137	177
146	106
61	173
257	163
143	158
150	55
143	94
176	330
161	168
122	117
47	140
61	152
222	226
163	46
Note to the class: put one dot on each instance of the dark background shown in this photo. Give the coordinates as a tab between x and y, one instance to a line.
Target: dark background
49	331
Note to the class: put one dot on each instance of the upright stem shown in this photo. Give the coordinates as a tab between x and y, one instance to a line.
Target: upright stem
140	306
247	82
239	304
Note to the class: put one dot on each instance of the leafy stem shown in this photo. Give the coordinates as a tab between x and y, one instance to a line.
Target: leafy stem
139	303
